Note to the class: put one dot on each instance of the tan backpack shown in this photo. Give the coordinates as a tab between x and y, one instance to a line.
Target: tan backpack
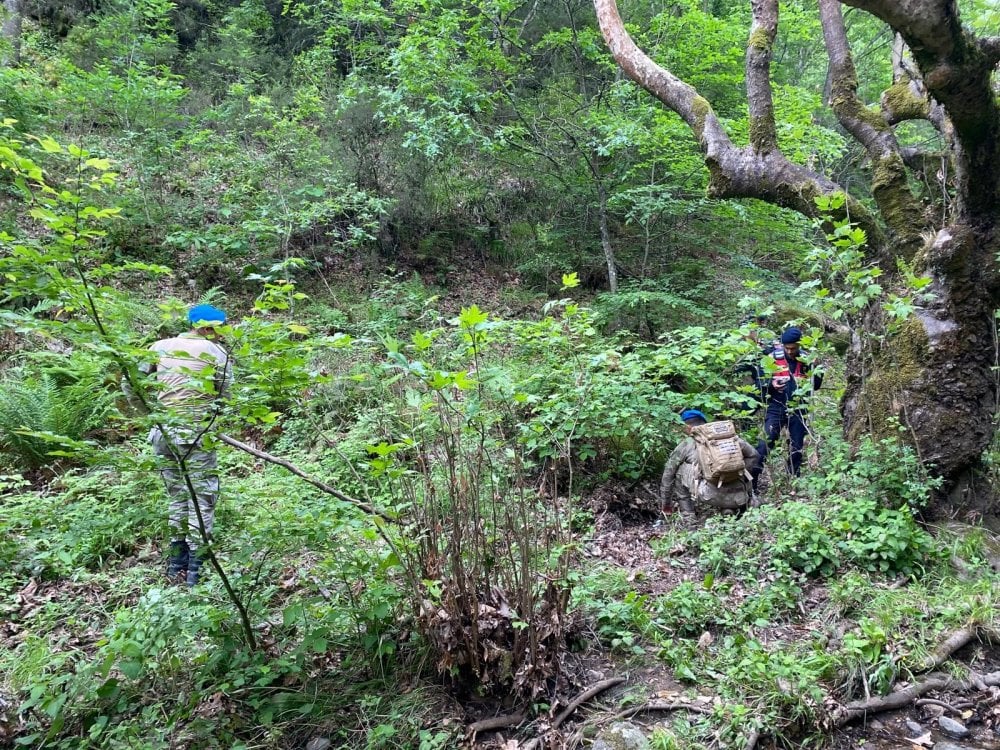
719	454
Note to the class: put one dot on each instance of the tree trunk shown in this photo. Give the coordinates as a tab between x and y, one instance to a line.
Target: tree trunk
609	251
11	31
935	374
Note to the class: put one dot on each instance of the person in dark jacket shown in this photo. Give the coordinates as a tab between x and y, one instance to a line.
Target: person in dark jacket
786	385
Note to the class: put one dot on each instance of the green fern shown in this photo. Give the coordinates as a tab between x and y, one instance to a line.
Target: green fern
32	406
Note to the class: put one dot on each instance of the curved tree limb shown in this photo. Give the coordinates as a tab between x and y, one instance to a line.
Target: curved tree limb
900	209
907	97
733	172
308	478
868	127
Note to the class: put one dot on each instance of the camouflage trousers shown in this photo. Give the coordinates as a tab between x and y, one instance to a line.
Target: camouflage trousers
202	470
691	488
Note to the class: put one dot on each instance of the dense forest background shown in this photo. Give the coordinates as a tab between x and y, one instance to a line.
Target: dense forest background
473	275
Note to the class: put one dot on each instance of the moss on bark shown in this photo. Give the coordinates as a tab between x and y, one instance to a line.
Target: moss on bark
899	369
761	134
701	110
900	103
901	213
759	40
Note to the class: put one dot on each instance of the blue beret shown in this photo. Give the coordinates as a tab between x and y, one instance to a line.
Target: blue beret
791	335
206	314
692	414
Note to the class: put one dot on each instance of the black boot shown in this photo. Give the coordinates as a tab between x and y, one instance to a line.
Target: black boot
193	569
179	556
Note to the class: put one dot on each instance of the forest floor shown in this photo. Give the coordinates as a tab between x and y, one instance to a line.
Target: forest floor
626	526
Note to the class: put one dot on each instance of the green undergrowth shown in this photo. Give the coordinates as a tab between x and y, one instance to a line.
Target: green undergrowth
823	597
104	652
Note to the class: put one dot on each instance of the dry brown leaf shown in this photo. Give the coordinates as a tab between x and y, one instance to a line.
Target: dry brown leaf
923	740
25	594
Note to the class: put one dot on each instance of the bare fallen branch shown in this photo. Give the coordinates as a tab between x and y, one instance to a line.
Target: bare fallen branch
574	704
585	696
302	475
860	709
490	725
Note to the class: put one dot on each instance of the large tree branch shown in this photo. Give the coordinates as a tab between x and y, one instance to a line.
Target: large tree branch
890	184
733	172
868	127
763	134
956	68
678	95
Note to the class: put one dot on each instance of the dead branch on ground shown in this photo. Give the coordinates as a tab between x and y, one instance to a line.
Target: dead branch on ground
860	709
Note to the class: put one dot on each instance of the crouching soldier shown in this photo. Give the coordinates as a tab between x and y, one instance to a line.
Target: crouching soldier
711	466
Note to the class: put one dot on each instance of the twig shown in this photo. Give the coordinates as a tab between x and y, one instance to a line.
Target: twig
859	709
302	475
574	704
752	740
936	702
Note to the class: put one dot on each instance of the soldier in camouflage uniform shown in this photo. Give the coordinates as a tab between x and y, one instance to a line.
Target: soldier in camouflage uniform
682	481
193	373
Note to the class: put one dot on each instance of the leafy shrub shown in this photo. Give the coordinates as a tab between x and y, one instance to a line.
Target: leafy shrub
96	515
646	308
689	608
884	470
485	560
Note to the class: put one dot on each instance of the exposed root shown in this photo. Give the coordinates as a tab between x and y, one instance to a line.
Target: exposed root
574	704
860	709
654	706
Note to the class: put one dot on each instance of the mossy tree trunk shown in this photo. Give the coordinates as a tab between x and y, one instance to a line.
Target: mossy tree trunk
936	373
